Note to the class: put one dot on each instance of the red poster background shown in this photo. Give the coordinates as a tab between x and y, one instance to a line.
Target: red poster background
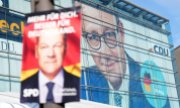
72	57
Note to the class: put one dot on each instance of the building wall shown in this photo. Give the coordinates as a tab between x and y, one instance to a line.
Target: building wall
136	56
177	75
10	50
177	55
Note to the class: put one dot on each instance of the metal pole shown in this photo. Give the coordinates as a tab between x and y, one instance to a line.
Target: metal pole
41	5
37	6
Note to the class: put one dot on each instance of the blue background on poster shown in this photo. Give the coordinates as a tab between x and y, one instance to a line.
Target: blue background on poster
153	84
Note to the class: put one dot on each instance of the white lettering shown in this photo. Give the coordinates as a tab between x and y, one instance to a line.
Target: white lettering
30	92
36	33
70	14
159	92
44	25
69	92
63	23
36	19
52	16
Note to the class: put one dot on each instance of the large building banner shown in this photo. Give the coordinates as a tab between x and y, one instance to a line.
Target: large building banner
125	64
51	56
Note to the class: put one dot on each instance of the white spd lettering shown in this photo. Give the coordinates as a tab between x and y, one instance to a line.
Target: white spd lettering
30	92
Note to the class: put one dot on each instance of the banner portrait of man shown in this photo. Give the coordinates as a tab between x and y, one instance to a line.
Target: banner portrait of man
51	57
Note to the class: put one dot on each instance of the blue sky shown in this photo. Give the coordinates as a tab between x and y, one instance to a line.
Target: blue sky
169	9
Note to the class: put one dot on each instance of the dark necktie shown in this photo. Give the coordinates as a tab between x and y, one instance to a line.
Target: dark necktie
50	97
117	99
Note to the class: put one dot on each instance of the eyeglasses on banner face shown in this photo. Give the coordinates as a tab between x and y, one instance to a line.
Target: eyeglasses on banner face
94	39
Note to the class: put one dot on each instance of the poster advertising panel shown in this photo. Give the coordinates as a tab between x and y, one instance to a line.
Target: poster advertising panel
127	76
103	59
51	56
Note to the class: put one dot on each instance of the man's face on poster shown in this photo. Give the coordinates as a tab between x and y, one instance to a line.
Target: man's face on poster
103	39
50	50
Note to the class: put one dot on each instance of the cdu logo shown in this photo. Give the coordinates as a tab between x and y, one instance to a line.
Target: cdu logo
154	85
160	50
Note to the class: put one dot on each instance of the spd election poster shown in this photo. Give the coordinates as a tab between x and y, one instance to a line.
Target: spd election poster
51	56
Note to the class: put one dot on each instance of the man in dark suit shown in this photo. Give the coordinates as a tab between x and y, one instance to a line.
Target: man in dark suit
69	82
95	87
115	77
51	83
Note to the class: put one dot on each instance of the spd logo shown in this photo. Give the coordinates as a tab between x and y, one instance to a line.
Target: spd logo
30	92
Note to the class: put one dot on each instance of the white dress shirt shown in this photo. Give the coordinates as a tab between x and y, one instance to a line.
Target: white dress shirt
57	89
123	90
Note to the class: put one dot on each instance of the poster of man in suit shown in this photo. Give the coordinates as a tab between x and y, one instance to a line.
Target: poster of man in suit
113	67
51	57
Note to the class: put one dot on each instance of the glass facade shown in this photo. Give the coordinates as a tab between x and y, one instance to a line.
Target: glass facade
126	60
11	26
